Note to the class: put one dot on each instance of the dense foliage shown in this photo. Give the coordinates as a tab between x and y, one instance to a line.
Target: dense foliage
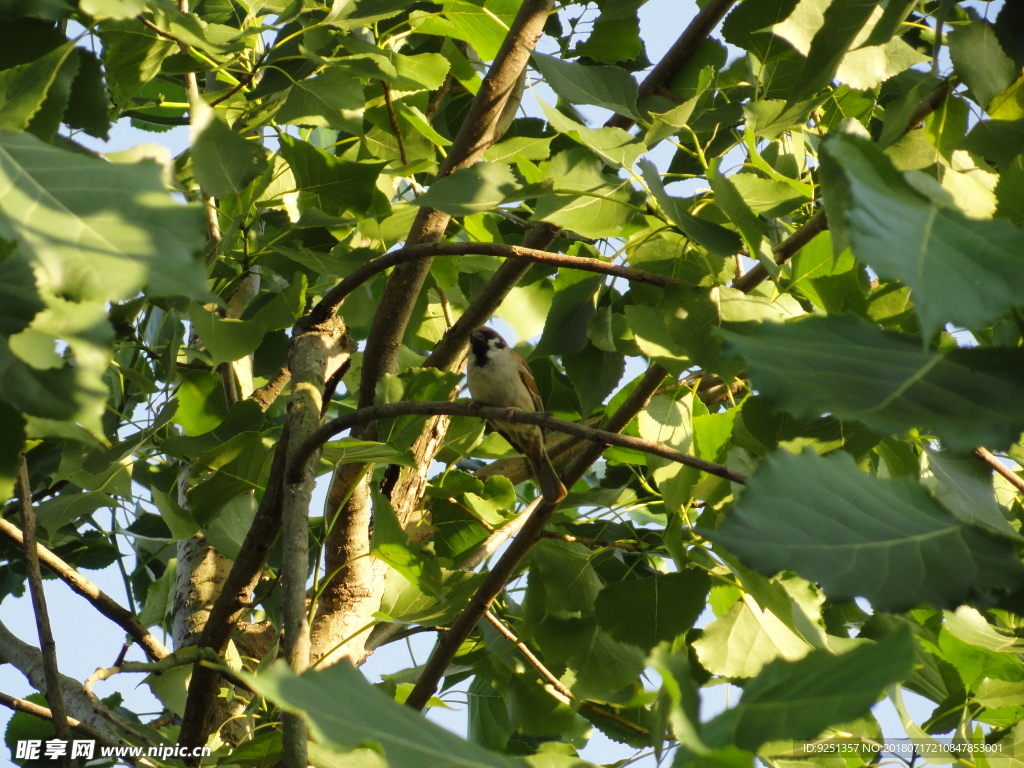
793	251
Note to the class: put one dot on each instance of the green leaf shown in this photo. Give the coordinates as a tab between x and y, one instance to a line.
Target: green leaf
19	299
716	238
840	25
857	535
798	700
327	182
740	642
979	61
927	246
864	68
344	709
609	87
68	507
572	306
113	9
480	187
226	338
613	39
23	89
350	450
646	611
223	162
99	230
968	625
748	26
844	366
590	203
483	27
596	664
613	144
964	486
319	101
132	56
89	104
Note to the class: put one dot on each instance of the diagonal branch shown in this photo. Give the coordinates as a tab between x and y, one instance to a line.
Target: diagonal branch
558	689
448	645
819	221
315	442
99	599
476	134
678	55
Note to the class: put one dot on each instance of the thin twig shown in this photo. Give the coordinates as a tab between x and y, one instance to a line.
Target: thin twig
628	546
993	461
334	297
101	601
393	119
44	713
493	413
559	690
54	694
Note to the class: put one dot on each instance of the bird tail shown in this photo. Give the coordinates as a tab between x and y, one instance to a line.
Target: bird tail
551	488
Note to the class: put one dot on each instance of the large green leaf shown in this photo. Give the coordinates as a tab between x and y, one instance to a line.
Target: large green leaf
320	100
644	612
224	163
840	25
344	709
482	27
24	88
844	366
857	535
96	229
480	187
980	62
960	270
798	700
589	202
716	238
745	638
327	182
609	87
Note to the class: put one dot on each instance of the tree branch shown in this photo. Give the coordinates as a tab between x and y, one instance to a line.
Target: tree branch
334	297
558	689
475	135
819	221
993	461
30	708
234	599
54	696
29	661
678	55
101	601
494	582
362	416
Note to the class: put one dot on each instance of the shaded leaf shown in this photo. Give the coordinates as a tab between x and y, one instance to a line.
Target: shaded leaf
644	612
844	366
857	535
224	163
99	230
344	709
927	246
609	87
798	700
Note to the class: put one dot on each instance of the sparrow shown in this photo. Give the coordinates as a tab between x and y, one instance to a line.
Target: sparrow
499	376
